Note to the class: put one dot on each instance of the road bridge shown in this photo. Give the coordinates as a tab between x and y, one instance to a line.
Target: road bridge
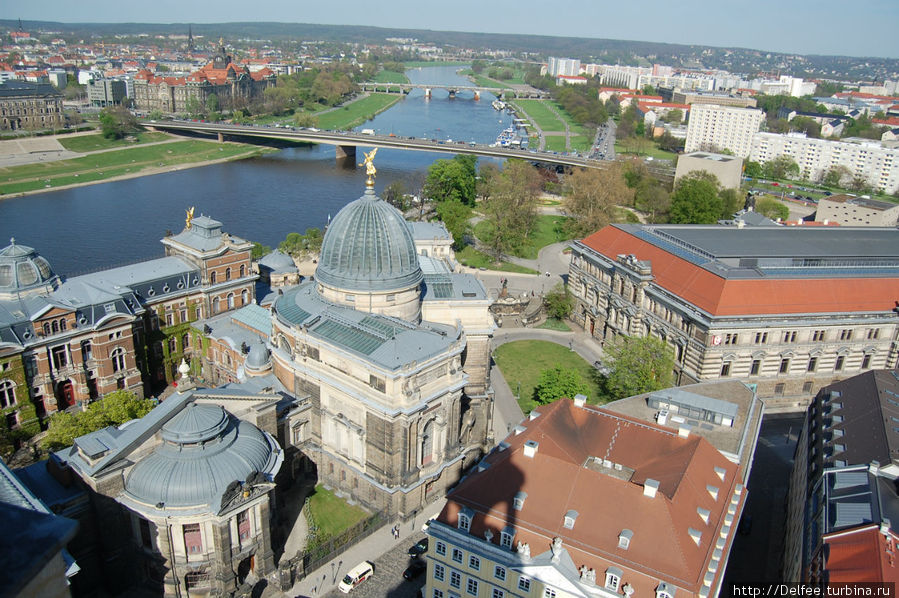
346	143
525	92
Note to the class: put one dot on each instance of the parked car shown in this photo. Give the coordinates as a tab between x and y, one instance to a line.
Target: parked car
420	547
355	576
426	525
415	568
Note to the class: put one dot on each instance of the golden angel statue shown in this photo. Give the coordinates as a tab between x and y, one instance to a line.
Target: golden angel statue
190	217
370	169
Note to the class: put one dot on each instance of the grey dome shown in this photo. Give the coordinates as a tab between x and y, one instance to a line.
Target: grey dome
259	358
368	247
22	270
203	450
278	262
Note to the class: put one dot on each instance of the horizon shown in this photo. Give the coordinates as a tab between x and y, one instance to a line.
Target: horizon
801	27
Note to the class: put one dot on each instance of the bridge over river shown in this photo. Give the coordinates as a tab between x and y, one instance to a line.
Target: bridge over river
346	143
505	92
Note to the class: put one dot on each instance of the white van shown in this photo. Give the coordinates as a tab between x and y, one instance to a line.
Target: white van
356	575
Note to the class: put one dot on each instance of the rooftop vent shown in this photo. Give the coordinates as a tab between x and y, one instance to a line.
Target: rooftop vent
703	514
570	518
650	487
530	448
713	490
624	538
721	472
695	535
533	415
580	400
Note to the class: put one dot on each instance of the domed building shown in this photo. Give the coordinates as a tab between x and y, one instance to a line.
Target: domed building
183	494
389	348
23	272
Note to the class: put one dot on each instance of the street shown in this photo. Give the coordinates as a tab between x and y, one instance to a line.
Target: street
388	577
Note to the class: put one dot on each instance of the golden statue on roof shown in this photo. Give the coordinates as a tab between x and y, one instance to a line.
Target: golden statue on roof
190	217
370	169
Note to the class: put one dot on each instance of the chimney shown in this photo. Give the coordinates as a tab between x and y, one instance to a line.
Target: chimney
740	223
580	400
683	431
530	448
885	527
650	487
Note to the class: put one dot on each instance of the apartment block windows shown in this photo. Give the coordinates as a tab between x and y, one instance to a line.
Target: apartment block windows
439	572
784	366
730	339
818	336
499	573
846	334
524	584
812	364
755	367
873	333
474	563
761	338
790	336
866	362
455	579
472	586
457	555
839	363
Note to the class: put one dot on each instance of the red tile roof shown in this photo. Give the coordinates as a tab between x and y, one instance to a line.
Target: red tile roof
561	476
861	555
733	297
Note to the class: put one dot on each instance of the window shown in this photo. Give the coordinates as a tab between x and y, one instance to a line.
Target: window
86	351
613	578
60	356
499	573
807	387
873	333
570	518
464	522
230	300
169	319
725	369
55	326
839	364
118	359
730	339
351	298
7	393
439	572
812	364
391	298
455	579
377	383
754	368
182	315
779	388
846	334
474	563
818	335
212	277
173	345
524	584
624	538
244	297
227	274
441	548
457	555
438	593
146	537
549	593
518	501
866	362
790	336
243	525
243	270
193	540
505	538
784	366
761	337
472	586
498	593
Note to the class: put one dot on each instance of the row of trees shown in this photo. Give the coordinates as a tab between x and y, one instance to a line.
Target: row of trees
113	409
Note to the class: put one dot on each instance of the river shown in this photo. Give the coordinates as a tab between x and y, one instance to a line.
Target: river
260	199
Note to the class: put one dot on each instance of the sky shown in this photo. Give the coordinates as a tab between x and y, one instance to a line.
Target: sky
859	28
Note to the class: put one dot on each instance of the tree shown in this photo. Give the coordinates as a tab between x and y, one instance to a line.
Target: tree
212	103
781	167
674	116
450	180
836	175
638	365
155	114
116	122
298	245
455	215
259	251
511	209
731	202
395	195
752	169
558	382
592	195
114	409
194	107
558	302
771	208
695	199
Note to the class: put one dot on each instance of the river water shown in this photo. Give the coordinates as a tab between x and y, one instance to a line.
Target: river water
260	199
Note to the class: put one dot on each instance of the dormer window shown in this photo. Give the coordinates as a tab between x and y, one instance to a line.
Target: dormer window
624	539
465	517
663	590
506	536
613	578
518	501
570	518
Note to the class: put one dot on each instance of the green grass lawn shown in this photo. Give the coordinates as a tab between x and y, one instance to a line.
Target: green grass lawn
554	143
545	118
332	514
549	230
523	361
648	150
473	258
92	143
96	167
358	112
555	324
390	77
581	143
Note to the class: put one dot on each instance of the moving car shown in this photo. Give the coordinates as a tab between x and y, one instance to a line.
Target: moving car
420	547
415	568
356	575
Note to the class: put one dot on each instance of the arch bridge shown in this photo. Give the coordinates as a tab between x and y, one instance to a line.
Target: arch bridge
453	90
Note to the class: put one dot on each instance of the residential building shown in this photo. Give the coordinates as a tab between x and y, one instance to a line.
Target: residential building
713	128
789	309
727	169
105	92
843	497
581	501
850	210
867	160
718	99
30	106
563	66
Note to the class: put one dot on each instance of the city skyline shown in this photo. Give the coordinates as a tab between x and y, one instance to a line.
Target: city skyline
800	27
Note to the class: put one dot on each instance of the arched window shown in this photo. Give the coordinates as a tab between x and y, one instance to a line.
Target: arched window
118	359
244	297
173	345
227	273
55	326
212	277
7	393
185	342
63	325
427	443
46	328
230	300
243	270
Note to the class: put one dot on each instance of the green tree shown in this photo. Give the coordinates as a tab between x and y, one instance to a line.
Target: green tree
558	382
298	245
638	365
591	197
781	167
155	115
455	215
452	180
478	66
395	195
696	200
259	251
558	302
752	169
116	122
212	103
836	176
113	409
771	208
511	207
731	202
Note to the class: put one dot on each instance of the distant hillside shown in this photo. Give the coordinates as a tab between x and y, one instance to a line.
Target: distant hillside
738	60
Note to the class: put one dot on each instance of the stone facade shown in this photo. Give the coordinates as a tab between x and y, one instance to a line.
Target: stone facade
30	106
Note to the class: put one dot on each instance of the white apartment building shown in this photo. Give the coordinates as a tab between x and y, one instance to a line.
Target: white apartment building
878	165
716	128
570	67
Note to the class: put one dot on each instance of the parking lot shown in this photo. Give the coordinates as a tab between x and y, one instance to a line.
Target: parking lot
388	577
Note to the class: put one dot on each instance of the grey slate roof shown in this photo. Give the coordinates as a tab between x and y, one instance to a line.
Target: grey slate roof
387	342
14	89
204	234
278	262
247	325
426	231
453	286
